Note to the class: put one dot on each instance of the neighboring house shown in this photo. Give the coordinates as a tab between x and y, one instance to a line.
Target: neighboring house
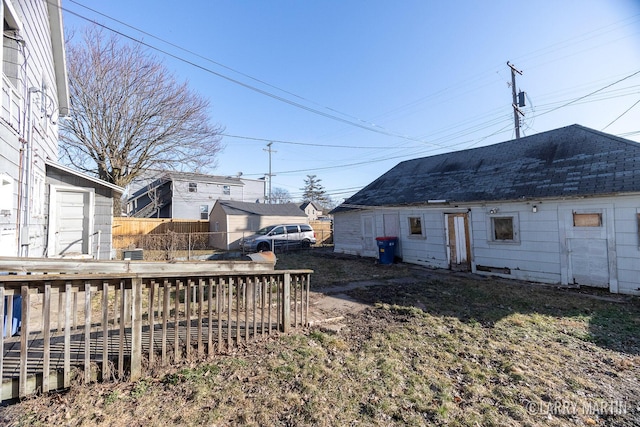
312	210
34	96
181	195
231	221
80	210
559	207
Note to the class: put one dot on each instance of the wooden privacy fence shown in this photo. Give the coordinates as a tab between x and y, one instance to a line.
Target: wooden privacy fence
90	327
126	226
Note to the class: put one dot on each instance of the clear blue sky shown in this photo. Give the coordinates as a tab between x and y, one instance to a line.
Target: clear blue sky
378	82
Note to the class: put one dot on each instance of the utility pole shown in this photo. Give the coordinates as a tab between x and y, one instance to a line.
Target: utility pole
516	111
269	150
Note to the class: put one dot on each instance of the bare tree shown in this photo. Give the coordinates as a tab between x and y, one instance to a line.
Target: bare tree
129	113
280	195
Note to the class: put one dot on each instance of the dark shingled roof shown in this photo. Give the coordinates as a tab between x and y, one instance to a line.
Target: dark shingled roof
262	209
566	162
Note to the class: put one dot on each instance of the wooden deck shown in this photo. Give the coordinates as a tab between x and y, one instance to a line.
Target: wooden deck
200	348
96	327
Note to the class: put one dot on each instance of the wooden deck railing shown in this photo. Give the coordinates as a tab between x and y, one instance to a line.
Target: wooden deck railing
90	327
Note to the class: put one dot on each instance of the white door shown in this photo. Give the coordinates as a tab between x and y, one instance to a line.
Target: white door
73	223
589	262
587	245
369	245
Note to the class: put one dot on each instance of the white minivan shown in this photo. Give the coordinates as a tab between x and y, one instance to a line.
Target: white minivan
281	236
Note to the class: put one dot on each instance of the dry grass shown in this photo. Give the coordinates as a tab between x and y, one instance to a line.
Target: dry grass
435	350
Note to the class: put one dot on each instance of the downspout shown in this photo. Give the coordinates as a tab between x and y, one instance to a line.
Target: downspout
24	230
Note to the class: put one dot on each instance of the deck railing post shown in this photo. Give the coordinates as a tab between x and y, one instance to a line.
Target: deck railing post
24	340
286	303
136	329
2	326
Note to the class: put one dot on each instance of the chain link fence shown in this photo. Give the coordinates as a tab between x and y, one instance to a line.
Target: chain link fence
188	246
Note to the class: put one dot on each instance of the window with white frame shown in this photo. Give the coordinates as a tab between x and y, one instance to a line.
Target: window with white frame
193	187
226	190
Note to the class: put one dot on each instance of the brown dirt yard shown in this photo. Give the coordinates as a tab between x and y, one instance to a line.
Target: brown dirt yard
406	346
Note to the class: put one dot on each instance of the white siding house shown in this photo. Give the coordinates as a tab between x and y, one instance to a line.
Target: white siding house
559	207
34	97
312	210
182	195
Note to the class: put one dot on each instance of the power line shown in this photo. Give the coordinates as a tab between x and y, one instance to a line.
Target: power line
589	94
309	144
625	112
363	124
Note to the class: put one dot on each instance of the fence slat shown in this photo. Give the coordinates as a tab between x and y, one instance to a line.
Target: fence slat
105	330
152	288
122	322
200	304
67	335
187	316
165	319
46	327
2	326
220	301
24	341
136	329
286	303
87	332
210	318
176	317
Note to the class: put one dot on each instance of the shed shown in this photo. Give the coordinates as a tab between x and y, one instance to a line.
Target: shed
230	221
80	212
559	207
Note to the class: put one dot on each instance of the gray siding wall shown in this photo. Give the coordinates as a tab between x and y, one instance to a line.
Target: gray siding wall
103	210
186	205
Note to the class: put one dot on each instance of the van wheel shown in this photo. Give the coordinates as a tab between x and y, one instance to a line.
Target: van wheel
263	247
306	244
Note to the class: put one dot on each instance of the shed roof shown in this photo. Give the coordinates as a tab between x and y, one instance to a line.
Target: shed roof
565	162
95	181
262	209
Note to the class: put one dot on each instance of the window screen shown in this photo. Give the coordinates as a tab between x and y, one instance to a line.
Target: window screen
415	226
502	228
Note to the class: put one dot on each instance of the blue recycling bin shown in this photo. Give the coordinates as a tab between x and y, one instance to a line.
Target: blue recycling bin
16	317
386	249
